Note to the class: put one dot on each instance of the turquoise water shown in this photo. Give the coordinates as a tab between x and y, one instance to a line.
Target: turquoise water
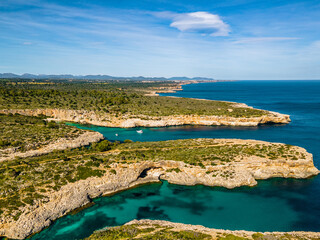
263	207
273	205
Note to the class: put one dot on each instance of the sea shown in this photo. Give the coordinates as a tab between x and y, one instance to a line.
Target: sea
273	205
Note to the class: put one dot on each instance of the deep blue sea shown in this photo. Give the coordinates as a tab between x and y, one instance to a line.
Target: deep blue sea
273	205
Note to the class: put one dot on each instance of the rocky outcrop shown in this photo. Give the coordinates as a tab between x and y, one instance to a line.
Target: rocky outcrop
218	233
103	119
167	89
61	144
242	172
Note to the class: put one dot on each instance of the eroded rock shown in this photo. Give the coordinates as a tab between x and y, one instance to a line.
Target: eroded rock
103	119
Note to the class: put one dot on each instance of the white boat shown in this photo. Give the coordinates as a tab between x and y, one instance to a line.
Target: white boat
139	131
117	134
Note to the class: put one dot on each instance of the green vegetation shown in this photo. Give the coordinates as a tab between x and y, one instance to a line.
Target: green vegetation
177	170
25	133
146	232
202	152
257	236
113	98
22	181
157	232
231	237
102	146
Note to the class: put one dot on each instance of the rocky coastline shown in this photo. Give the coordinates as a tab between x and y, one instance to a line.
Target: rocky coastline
125	121
178	86
156	226
61	144
242	172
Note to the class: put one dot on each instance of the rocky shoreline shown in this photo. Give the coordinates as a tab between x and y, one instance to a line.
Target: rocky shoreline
242	172
156	226
178	86
103	119
82	140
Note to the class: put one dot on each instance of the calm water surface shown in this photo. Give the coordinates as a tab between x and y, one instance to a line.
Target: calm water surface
273	205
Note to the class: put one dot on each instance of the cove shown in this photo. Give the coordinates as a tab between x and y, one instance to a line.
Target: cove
273	205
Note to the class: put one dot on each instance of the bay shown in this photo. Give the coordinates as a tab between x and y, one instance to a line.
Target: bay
273	205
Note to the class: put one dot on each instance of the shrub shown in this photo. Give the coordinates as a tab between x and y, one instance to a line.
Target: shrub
201	165
52	124
177	170
257	236
4	143
102	146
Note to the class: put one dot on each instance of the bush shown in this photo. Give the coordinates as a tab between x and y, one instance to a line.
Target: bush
52	124
177	170
102	146
86	172
4	143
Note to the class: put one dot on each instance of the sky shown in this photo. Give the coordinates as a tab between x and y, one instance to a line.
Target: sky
221	39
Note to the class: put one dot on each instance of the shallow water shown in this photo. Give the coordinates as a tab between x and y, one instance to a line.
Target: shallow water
273	205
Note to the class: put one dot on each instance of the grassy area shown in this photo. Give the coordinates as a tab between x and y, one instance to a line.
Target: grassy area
201	151
23	133
153	232
115	98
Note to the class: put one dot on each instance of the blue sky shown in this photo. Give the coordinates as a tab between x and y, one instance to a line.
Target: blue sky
234	39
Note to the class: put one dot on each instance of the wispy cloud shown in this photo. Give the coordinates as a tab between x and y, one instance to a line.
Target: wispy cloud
202	22
264	39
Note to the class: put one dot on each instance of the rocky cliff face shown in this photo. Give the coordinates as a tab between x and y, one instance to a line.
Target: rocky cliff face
242	172
103	119
83	140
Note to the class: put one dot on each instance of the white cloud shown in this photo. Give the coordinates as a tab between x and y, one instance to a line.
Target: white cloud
202	22
264	39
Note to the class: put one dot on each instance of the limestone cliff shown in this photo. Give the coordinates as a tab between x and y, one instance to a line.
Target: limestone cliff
103	119
82	140
242	172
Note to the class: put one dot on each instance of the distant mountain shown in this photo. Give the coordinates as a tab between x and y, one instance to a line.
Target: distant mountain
8	75
96	77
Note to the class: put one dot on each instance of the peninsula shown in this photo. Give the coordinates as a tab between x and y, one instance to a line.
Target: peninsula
124	104
26	136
